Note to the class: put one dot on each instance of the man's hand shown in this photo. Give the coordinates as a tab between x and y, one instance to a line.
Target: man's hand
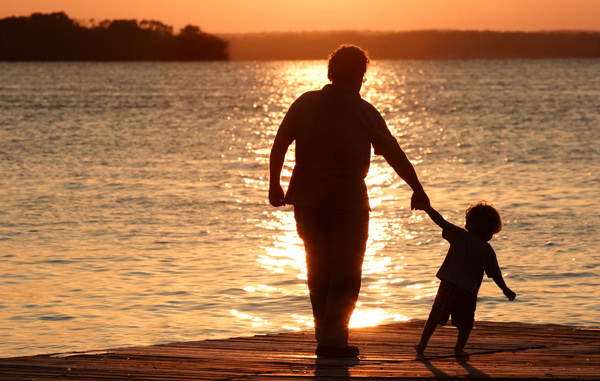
276	195
419	200
509	294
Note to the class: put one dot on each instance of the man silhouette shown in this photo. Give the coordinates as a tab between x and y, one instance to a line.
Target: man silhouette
334	129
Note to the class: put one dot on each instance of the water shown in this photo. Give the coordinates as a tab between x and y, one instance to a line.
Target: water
133	206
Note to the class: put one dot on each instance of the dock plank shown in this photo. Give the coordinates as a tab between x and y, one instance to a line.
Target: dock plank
498	351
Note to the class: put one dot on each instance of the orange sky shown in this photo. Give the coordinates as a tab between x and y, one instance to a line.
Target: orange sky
234	16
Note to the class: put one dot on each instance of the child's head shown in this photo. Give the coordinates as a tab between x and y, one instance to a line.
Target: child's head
483	219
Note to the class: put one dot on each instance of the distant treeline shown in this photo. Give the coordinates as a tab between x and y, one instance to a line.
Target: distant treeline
56	37
435	44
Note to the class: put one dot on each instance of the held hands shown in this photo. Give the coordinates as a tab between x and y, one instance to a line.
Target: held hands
276	195
509	294
419	200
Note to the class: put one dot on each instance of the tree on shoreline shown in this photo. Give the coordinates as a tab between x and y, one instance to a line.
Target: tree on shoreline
56	37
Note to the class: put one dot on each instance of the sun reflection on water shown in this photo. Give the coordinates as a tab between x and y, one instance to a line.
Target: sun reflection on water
369	318
394	229
389	234
288	251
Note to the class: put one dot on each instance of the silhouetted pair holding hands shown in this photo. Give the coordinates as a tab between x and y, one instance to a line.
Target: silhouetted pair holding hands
334	130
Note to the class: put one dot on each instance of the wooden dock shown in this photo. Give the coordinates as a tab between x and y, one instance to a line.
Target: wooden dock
498	351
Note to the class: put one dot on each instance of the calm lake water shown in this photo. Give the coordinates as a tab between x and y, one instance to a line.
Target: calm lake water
133	202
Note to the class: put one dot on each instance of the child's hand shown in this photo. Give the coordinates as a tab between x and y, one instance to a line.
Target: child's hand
509	294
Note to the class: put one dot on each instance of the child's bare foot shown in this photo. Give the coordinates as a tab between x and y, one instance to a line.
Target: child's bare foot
419	349
461	353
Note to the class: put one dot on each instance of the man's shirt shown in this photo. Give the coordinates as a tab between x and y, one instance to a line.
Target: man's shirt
334	129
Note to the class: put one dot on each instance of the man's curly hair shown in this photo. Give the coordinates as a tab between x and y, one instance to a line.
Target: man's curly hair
347	62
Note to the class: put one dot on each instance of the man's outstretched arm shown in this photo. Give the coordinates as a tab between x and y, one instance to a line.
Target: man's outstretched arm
403	167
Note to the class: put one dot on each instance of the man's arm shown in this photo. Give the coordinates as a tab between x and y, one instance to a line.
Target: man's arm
507	291
276	160
403	167
283	139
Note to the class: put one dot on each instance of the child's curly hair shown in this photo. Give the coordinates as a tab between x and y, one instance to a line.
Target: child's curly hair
483	218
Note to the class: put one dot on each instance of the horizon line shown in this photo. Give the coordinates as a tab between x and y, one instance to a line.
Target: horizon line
372	31
84	21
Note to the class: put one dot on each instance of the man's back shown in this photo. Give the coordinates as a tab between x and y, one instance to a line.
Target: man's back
334	129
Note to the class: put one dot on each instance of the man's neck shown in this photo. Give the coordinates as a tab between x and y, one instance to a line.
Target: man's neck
351	85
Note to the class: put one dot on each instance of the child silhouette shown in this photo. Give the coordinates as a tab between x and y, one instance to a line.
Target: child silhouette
461	274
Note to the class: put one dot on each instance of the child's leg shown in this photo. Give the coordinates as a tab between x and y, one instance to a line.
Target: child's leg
463	337
428	330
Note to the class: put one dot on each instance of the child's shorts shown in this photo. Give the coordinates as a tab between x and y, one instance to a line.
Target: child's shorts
455	301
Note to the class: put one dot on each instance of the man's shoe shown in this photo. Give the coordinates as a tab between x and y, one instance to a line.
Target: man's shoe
337	352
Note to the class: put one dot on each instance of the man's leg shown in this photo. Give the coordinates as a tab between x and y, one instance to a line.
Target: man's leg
350	231
312	225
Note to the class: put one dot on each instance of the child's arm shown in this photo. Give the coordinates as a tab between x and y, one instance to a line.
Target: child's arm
436	217
507	291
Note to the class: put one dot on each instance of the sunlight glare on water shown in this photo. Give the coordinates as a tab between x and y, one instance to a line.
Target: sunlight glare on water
404	247
287	255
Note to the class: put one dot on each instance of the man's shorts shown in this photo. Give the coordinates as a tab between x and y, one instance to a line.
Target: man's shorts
455	301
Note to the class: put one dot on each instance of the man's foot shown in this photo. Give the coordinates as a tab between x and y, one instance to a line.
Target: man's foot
337	352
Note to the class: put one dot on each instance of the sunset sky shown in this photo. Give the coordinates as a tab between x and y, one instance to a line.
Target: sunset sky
239	16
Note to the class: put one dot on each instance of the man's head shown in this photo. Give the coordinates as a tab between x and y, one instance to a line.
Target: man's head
483	219
347	66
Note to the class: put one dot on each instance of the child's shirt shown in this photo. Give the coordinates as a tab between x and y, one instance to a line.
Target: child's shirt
468	258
